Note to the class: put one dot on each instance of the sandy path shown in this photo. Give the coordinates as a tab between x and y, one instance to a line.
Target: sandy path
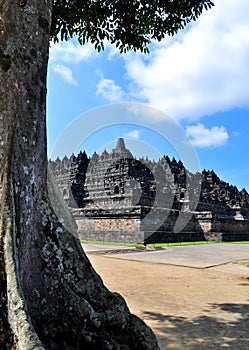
187	308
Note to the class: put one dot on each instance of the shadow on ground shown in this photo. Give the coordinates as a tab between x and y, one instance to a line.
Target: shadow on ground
227	327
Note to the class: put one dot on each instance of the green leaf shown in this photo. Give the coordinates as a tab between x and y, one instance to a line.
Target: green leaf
132	26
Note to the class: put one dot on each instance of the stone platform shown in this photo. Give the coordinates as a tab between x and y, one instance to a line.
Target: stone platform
192	256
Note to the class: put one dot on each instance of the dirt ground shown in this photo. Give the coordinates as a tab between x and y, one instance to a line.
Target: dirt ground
187	308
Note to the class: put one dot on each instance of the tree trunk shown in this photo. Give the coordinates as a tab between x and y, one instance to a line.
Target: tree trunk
51	298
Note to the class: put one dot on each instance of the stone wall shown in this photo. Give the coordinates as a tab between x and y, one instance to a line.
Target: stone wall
112	236
128	230
225	228
110	224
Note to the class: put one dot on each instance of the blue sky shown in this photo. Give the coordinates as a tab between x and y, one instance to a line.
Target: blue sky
200	78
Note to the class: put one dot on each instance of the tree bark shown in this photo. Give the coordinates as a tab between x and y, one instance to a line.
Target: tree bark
51	298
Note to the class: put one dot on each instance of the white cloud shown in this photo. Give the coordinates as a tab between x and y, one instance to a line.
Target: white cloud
71	52
200	136
201	71
109	90
65	73
134	134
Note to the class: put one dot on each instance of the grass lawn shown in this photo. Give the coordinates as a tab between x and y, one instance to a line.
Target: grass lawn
243	262
156	245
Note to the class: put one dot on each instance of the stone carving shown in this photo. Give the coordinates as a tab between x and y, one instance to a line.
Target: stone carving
111	194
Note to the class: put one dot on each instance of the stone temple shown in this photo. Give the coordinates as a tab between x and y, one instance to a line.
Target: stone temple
116	197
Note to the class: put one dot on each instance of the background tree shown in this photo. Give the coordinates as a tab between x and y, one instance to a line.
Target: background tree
51	298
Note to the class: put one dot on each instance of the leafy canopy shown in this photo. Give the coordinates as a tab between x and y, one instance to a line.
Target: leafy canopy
129	24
